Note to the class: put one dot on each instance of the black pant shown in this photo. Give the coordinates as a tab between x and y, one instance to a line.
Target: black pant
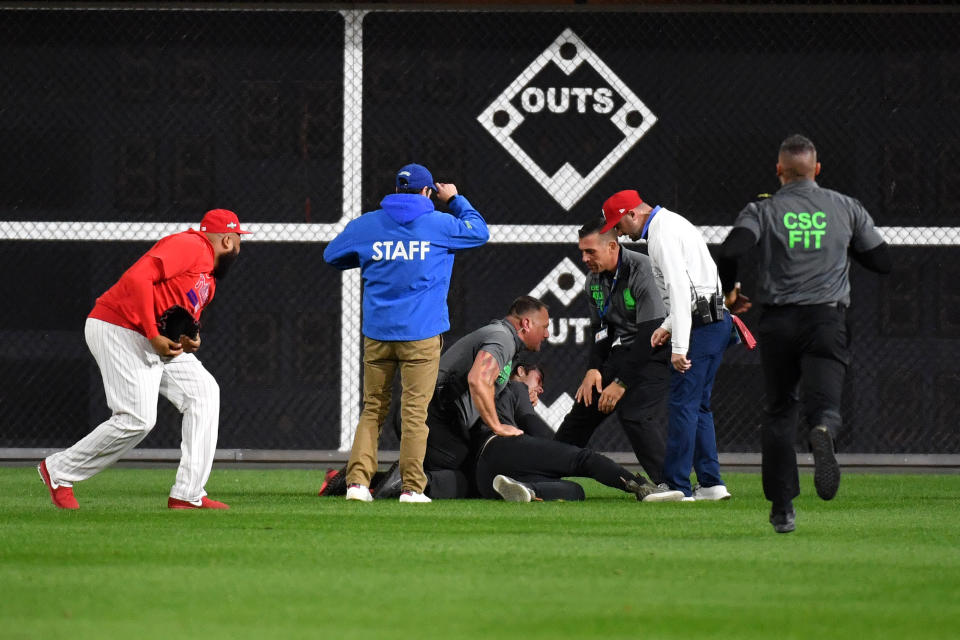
803	348
447	460
447	454
542	463
641	412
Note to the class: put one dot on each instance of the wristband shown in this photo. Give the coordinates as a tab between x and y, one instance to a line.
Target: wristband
620	382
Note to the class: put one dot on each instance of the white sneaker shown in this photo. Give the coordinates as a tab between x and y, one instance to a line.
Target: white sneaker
688	499
661	493
413	496
716	492
359	492
512	491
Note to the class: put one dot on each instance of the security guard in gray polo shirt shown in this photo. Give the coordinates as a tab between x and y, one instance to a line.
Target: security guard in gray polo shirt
473	372
625	373
802	237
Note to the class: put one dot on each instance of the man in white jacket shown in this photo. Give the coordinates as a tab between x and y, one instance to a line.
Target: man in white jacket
698	328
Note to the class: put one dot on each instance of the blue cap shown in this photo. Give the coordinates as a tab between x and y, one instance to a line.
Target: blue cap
414	176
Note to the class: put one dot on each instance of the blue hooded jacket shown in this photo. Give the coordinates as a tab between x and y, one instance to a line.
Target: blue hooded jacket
405	254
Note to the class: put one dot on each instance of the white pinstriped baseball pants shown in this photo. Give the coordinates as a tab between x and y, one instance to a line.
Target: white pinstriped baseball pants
133	377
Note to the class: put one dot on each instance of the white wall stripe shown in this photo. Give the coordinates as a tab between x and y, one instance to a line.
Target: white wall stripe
73	231
352	186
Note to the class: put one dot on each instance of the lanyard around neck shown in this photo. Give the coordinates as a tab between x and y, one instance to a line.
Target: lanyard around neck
613	285
643	233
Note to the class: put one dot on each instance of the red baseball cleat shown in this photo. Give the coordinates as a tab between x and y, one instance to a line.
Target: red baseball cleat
205	503
62	496
334	483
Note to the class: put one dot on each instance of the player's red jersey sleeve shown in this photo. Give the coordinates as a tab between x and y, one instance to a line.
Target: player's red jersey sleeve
175	271
181	252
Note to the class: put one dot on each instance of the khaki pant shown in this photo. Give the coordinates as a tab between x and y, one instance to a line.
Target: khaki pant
418	362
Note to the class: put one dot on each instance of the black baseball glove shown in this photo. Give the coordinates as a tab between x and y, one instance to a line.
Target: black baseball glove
177	321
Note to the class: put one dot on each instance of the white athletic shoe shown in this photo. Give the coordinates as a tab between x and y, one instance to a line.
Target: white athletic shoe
359	492
716	492
688	499
413	496
512	491
658	493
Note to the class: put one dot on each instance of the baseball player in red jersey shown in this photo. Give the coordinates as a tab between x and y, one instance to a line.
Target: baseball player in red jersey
138	362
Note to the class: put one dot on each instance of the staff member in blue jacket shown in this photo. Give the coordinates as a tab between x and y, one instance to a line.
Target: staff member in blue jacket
405	254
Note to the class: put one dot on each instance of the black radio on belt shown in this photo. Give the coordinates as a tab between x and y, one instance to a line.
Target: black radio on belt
708	311
716	306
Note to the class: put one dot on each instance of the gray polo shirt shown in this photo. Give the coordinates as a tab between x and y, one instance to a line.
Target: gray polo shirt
635	300
803	233
499	339
623	316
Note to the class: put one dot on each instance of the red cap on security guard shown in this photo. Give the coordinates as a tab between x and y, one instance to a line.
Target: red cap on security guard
617	206
221	221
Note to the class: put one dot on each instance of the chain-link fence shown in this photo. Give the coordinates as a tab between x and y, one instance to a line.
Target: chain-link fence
120	126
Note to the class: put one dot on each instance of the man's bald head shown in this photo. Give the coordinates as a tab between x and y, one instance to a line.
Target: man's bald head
797	160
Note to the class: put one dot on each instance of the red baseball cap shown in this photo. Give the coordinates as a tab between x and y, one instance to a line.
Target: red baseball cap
617	206
221	221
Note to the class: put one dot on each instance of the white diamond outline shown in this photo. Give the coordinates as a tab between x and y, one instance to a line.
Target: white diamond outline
559	184
550	282
553	414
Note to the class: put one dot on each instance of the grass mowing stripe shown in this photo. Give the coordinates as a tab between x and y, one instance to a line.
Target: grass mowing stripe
881	559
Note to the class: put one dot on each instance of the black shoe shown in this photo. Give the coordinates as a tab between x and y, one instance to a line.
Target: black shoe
334	483
392	484
783	521
826	474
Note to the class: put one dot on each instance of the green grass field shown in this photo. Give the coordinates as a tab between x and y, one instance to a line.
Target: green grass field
882	560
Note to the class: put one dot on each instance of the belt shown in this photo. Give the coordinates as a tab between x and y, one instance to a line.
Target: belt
486	442
623	341
698	322
835	305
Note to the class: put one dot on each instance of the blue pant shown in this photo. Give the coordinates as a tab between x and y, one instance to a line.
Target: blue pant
691	440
